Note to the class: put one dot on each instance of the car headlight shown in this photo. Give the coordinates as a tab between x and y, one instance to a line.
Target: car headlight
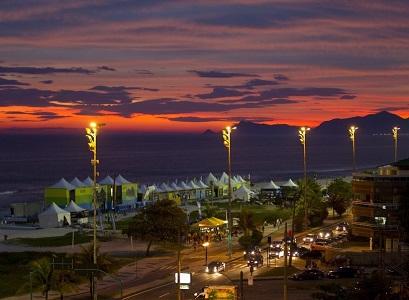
252	252
215	269
244	252
207	269
248	261
256	262
195	294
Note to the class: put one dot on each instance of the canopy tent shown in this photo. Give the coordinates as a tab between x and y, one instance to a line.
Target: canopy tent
107	181
77	183
73	207
120	180
210	223
193	185
240	179
175	187
184	186
243	193
54	216
270	186
202	185
290	184
78	214
62	184
88	181
211	179
165	188
224	178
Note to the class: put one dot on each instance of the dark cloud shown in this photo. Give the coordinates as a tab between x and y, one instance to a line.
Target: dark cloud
43	70
121	88
220	74
285	93
216	119
281	77
392	108
221	92
251	84
41	115
4	81
47	81
348	97
105	68
143	72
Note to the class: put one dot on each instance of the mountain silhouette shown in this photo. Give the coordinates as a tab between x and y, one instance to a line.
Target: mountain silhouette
378	123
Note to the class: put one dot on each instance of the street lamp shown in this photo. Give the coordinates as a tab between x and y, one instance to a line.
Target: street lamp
205	245
302	133
91	134
226	134
351	131
395	139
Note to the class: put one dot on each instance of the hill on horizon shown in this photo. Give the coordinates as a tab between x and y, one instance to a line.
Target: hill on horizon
378	123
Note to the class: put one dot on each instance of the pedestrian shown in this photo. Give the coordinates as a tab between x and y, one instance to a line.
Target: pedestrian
251	270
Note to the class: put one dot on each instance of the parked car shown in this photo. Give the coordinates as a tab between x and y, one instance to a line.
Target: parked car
343	272
309	274
215	267
309	238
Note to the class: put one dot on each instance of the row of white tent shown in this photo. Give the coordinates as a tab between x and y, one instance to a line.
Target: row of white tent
195	187
88	182
245	194
55	216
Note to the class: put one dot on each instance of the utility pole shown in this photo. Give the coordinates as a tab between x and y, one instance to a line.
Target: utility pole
285	295
302	133
179	291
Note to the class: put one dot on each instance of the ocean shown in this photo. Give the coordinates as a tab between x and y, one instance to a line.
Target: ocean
30	162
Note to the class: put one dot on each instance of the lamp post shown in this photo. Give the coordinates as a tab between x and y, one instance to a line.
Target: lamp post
205	245
226	134
302	133
91	134
352	131
395	140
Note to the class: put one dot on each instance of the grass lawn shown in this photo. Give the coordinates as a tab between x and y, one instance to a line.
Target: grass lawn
278	271
57	241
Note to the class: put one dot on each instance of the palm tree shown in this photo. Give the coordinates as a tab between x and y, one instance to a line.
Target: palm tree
42	274
85	260
246	222
64	281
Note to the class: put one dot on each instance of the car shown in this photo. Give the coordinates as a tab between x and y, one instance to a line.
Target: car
274	253
324	235
309	238
309	274
215	267
276	244
320	245
341	229
255	261
343	272
289	240
251	252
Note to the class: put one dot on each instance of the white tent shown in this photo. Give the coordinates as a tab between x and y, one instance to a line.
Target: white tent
211	179
270	186
120	180
175	187
165	188
184	186
224	178
54	216
243	193
107	181
77	183
78	214
63	184
289	183
88	181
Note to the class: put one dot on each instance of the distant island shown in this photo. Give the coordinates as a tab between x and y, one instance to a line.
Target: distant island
378	123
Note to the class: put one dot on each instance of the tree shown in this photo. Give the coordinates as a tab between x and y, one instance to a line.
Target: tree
339	195
64	281
246	222
42	275
163	221
317	208
85	260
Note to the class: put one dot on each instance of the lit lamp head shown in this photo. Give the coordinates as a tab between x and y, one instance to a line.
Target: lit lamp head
352	130
205	244
226	132
302	133
395	132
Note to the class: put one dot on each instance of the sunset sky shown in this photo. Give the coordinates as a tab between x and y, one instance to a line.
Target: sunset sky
147	65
